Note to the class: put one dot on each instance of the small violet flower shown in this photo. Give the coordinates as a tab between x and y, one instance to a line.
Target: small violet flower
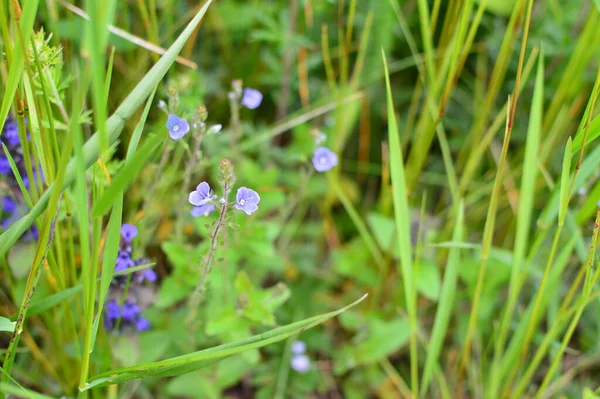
4	165
142	324
202	210
178	127
247	200
324	159
128	232
201	195
124	261
251	98
148	274
300	363
8	205
129	311
298	348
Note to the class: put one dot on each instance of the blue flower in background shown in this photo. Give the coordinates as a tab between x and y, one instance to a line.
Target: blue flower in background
251	98
124	261
300	363
298	348
4	165
324	159
201	195
178	127
128	232
148	274
142	324
8	205
247	200
202	210
129	311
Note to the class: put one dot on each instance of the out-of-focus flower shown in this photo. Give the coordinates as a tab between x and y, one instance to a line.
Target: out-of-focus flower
251	98
201	195
124	261
178	127
300	363
128	232
298	348
8	205
202	210
247	200
142	324
324	159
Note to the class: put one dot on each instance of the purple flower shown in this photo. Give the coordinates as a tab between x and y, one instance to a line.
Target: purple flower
124	261
324	159
112	309
11	133
8	205
247	200
202	210
148	274
142	324
298	348
178	127
128	232
129	311
4	165
251	98
300	363
201	195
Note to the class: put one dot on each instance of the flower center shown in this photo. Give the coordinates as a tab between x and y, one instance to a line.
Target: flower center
323	160
175	128
242	202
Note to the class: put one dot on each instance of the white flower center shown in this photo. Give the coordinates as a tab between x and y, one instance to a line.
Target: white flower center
323	160
175	128
242	202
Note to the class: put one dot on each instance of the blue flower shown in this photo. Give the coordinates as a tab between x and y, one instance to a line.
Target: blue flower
124	261
128	232
11	133
201	195
300	363
202	210
148	274
247	200
142	324
298	348
324	159
8	205
4	165
178	127
129	311
251	98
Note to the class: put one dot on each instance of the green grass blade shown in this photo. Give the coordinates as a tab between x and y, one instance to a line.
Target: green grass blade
564	182
126	175
403	222
114	125
446	304
194	361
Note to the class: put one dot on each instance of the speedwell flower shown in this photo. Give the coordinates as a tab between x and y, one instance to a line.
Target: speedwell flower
251	98
247	200
178	127
202	210
324	159
201	195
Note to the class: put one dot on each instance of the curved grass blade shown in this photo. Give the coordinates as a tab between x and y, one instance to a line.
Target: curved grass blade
114	125
194	361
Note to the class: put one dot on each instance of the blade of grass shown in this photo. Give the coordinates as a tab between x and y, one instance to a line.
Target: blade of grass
194	361
403	221
446	304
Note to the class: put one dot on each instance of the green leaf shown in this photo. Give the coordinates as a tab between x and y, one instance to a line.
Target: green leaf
6	324
197	360
429	280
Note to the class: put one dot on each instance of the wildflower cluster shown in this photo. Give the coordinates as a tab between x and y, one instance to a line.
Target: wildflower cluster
300	362
123	310
10	193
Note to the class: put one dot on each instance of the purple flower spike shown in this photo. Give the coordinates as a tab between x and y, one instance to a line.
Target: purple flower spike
247	200
112	310
202	210
324	159
128	232
201	195
251	98
298	348
11	133
8	205
178	127
142	324
149	275
300	363
129	311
